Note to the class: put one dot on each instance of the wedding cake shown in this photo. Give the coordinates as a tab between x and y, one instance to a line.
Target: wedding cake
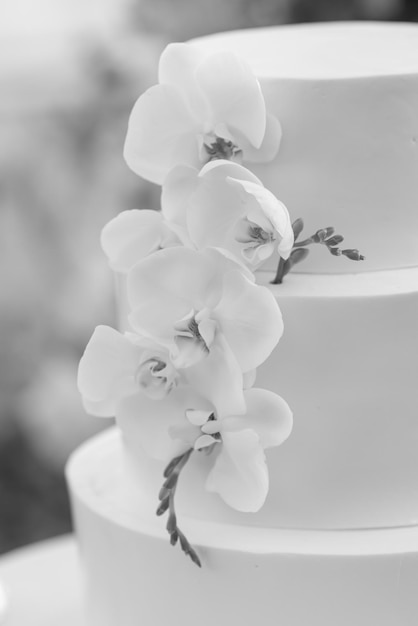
300	508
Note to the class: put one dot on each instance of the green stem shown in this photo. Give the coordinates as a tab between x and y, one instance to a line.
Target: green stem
278	279
301	244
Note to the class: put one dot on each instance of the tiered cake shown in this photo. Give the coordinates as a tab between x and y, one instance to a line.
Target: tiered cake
336	542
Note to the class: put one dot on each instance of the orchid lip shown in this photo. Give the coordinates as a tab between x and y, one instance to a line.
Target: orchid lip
259	234
220	148
153	376
189	328
254	238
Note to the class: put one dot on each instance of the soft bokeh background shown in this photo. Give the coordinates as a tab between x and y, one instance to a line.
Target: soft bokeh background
70	71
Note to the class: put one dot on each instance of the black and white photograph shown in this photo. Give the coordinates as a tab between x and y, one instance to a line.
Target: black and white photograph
208	313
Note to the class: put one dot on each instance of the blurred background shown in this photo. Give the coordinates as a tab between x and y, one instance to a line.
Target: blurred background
70	71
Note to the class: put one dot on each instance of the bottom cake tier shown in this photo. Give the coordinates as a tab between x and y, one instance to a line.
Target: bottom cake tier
249	575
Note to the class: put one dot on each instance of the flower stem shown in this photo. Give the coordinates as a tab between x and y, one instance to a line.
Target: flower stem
278	279
305	242
324	236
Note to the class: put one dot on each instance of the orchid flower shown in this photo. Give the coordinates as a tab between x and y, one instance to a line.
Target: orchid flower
206	106
209	314
237	468
227	207
115	366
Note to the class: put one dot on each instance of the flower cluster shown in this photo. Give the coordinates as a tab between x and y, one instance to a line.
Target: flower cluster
181	380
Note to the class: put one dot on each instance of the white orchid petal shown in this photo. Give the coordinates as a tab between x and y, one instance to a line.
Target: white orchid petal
158	427
234	263
215	206
177	67
274	210
286	245
269	146
156	322
164	287
277	214
213	212
265	251
178	63
234	94
185	433
198	417
161	134
258	254
249	378
131	236
189	351
218	378
204	441
179	272
102	408
106	372
240	474
267	414
221	169
250	319
250	255
176	192
207	329
211	427
274	216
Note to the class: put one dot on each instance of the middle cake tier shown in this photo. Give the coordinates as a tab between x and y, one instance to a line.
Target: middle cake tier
347	366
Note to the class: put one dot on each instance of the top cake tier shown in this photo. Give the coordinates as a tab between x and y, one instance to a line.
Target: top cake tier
346	95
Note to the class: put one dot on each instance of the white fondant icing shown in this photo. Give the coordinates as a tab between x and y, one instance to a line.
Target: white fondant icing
347	99
347	364
248	576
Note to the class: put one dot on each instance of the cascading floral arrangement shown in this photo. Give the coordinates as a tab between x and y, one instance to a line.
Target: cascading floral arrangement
183	376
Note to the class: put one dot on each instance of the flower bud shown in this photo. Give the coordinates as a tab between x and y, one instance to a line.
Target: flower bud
297	255
335	240
319	236
353	254
329	231
297	227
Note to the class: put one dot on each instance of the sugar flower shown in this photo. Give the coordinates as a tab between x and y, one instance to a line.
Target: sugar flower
205	107
209	314
115	366
228	207
236	461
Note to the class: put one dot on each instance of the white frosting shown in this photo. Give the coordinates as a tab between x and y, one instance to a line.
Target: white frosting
133	576
347	364
347	98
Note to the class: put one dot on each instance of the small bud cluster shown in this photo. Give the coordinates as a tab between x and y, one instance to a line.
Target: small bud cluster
324	236
166	497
